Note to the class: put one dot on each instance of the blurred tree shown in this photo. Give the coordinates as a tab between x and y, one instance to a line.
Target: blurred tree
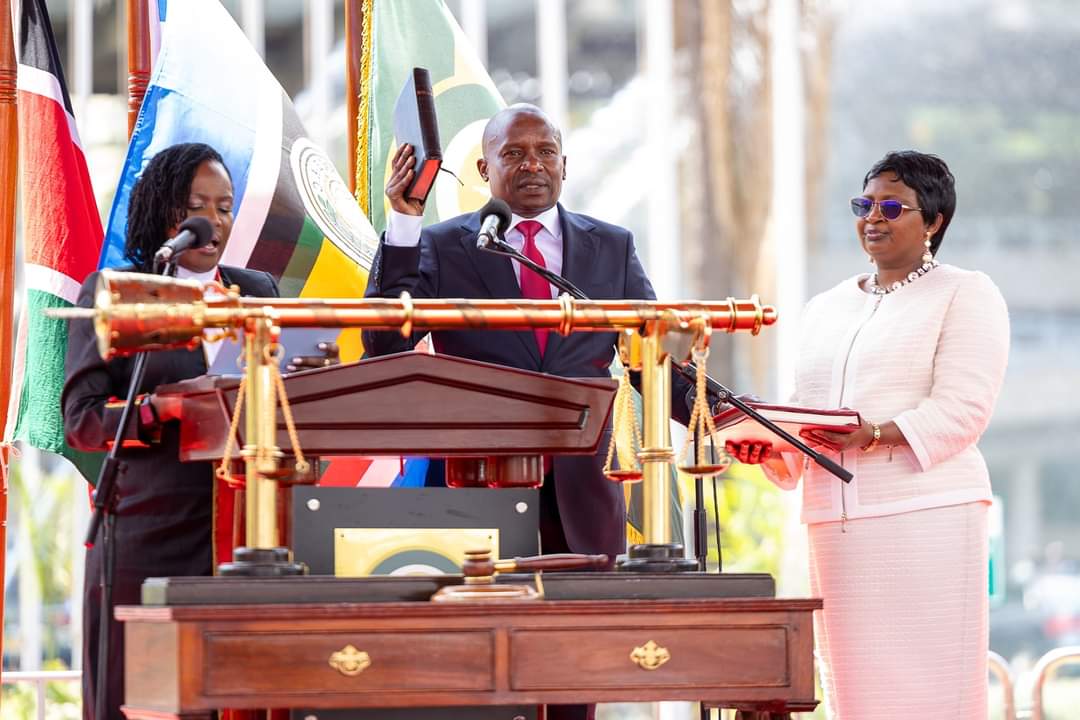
727	175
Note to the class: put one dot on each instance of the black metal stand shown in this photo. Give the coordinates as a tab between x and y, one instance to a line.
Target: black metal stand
262	562
701	527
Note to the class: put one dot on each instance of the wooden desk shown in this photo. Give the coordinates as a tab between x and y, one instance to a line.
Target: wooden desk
185	661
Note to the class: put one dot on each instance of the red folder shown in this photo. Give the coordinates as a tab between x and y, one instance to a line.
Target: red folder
731	424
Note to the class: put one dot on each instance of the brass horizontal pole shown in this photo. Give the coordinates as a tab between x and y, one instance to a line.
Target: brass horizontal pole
146	312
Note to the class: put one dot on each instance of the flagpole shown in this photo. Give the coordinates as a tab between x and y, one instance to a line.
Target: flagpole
354	49
9	161
138	30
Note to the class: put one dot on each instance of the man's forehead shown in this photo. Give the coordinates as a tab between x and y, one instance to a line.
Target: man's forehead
511	128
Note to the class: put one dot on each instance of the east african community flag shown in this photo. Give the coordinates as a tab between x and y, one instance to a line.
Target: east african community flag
294	216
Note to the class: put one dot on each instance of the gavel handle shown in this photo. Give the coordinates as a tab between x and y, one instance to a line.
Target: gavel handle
559	561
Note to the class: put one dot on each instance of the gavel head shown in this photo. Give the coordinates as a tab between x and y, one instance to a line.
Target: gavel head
478	568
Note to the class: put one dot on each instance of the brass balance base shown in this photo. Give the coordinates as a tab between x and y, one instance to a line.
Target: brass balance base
657	558
261	562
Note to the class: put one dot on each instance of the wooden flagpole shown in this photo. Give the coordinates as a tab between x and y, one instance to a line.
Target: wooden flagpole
354	49
138	33
9	166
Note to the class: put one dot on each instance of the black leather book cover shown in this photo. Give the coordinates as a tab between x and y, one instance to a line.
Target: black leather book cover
415	123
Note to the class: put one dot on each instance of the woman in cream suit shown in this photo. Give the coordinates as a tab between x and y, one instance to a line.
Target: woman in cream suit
899	555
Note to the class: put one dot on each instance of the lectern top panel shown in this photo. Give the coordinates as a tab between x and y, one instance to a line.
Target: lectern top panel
412	403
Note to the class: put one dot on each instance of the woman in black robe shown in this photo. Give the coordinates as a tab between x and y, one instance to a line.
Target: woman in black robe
164	507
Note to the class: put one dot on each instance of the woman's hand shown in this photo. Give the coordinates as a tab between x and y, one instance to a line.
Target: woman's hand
839	441
748	452
400	177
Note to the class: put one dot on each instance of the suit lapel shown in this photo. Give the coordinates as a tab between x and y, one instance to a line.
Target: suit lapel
497	276
579	262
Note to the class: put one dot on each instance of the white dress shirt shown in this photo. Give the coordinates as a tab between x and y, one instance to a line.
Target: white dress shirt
212	339
404	231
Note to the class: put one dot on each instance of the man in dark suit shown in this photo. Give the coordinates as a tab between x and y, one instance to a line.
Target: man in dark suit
581	510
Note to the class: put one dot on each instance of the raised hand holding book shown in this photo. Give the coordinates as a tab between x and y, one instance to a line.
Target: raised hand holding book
732	425
415	123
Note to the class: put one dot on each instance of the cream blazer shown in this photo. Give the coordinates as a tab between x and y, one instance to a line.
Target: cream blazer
930	356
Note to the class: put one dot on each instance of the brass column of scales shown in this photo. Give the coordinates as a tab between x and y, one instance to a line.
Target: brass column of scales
135	312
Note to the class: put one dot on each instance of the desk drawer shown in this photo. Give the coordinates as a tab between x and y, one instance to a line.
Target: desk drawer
583	659
300	663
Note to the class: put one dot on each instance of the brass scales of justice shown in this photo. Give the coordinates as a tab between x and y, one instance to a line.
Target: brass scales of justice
764	665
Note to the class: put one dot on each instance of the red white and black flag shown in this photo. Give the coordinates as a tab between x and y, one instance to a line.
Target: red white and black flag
61	231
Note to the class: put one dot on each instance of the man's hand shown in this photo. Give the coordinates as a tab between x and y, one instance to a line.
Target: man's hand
398	183
330	356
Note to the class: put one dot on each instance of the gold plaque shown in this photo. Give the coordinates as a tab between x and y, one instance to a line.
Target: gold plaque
359	552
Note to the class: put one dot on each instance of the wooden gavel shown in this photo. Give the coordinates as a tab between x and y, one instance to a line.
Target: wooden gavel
480	569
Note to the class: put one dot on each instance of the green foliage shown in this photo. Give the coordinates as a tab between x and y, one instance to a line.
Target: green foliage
751	514
62	700
41	510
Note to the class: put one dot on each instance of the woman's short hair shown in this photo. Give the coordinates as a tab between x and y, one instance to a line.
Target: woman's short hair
930	178
160	198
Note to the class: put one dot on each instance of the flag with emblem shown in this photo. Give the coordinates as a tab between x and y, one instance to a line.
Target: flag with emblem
294	215
399	36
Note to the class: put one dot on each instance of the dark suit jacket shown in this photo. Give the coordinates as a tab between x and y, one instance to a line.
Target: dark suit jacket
164	505
600	259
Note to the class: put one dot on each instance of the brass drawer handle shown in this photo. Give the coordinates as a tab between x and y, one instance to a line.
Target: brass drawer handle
349	661
650	656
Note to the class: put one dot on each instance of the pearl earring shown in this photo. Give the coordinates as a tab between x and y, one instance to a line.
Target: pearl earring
927	256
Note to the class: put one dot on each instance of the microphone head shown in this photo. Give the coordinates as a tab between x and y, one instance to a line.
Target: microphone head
499	209
201	228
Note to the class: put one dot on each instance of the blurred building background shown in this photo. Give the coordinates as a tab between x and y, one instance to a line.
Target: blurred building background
728	135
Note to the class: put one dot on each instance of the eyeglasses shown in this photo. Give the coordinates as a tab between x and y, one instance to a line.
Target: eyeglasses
890	209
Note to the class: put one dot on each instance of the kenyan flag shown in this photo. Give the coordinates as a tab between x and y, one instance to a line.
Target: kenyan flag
61	235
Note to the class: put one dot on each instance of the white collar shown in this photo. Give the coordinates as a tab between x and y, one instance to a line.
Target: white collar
549	219
203	277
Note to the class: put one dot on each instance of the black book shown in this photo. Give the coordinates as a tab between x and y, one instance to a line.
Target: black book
415	123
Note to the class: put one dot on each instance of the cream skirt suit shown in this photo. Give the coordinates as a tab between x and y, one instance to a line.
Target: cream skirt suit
900	554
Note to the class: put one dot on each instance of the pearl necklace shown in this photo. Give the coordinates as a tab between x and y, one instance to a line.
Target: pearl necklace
912	276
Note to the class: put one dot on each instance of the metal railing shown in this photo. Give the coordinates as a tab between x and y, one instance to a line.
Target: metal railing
40	678
999	668
1044	669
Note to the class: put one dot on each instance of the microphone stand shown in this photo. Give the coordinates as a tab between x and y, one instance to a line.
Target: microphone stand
103	521
689	372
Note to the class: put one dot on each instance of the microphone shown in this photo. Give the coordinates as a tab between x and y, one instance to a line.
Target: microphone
496	218
195	232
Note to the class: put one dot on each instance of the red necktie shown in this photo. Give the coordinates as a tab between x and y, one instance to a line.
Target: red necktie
534	287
